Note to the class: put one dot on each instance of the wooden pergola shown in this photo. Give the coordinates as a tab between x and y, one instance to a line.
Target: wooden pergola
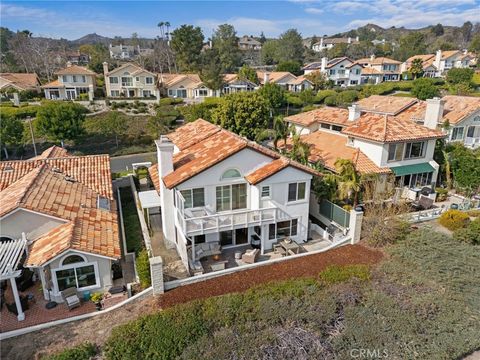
11	252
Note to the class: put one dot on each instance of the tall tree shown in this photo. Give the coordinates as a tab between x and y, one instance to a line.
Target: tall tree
293	67
244	113
60	120
319	80
187	43
11	132
211	72
274	94
98	55
270	50
424	88
262	38
225	42
290	46
411	44
438	30
248	73
466	30
349	180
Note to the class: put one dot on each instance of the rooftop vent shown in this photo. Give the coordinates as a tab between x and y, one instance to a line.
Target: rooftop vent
56	170
8	168
70	179
103	203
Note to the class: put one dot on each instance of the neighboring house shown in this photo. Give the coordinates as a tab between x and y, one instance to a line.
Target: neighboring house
77	58
130	81
379	69
72	81
380	134
185	86
249	43
19	82
284	79
435	65
342	71
123	52
224	190
328	43
233	84
63	208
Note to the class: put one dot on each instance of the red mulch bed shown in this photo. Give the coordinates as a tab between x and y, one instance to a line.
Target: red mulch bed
305	266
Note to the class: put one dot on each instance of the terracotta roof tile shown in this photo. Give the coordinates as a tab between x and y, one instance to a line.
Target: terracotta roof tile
53	84
20	80
326	147
53	152
274	76
206	151
458	108
74	70
153	172
386	128
330	115
192	133
391	105
267	170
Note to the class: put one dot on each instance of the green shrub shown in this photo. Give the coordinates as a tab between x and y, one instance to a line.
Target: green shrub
170	101
335	274
454	219
442	194
331	100
323	94
347	97
143	269
294	100
309	108
470	234
474	213
84	351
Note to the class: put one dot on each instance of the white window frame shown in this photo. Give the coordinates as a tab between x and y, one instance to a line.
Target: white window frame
149	80
423	150
456	131
402	152
191	195
75	265
113	80
149	92
269	189
114	93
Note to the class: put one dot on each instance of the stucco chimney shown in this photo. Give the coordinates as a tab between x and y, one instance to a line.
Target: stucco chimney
433	113
353	112
69	64
105	68
438	57
324	64
357	38
266	78
372	57
165	150
349	40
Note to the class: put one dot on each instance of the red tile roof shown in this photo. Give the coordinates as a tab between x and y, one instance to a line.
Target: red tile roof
391	105
267	170
205	151
75	70
53	152
45	188
386	128
20	80
458	108
192	133
327	147
330	115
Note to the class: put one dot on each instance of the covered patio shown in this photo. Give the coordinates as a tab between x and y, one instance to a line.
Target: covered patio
11	253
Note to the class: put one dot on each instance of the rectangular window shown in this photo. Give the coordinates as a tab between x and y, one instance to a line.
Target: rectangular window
296	191
193	198
332	72
395	152
74	77
357	72
77	276
202	92
457	133
147	93
336	128
113	80
115	93
415	150
325	126
127	81
84	79
265	192
231	197
226	237
64	78
149	80
285	228
137	79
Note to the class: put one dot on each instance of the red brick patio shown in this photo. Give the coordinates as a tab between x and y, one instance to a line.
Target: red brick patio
38	314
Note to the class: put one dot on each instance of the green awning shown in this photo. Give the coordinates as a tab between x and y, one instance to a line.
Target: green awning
412	169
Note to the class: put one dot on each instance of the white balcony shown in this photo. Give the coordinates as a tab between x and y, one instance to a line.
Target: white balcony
472	142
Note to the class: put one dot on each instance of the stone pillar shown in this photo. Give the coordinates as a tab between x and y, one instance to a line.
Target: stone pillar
355	225
16	99
90	92
156	273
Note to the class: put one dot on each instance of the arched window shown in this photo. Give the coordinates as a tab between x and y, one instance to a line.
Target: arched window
231	174
72	259
126	73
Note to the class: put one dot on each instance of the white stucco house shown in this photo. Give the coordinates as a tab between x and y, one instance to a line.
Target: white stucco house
436	65
379	69
60	212
72	81
222	190
383	135
329	43
130	81
342	71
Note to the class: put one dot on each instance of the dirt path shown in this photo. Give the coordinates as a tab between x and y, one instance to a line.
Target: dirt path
98	328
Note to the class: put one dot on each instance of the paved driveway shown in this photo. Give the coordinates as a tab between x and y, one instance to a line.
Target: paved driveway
122	163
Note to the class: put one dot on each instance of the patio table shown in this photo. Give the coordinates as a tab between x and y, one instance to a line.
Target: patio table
290	247
218	265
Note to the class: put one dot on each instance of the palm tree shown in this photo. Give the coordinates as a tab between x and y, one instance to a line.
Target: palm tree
448	168
349	180
300	151
416	69
280	131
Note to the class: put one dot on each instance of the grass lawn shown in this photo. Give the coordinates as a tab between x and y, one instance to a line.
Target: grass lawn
133	230
421	302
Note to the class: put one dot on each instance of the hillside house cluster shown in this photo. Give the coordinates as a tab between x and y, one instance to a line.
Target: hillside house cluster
72	82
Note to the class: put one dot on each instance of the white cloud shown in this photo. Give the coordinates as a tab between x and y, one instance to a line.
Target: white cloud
313	10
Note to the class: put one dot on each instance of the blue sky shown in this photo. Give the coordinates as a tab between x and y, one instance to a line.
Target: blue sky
73	19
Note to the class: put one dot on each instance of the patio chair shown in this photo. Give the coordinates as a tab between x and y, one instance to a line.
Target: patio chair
250	256
70	297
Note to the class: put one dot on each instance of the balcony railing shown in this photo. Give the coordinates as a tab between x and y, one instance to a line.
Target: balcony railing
472	141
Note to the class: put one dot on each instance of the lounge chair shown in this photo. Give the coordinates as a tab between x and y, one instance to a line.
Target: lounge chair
250	256
70	297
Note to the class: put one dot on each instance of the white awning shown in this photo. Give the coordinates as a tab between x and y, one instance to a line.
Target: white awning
149	199
11	252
